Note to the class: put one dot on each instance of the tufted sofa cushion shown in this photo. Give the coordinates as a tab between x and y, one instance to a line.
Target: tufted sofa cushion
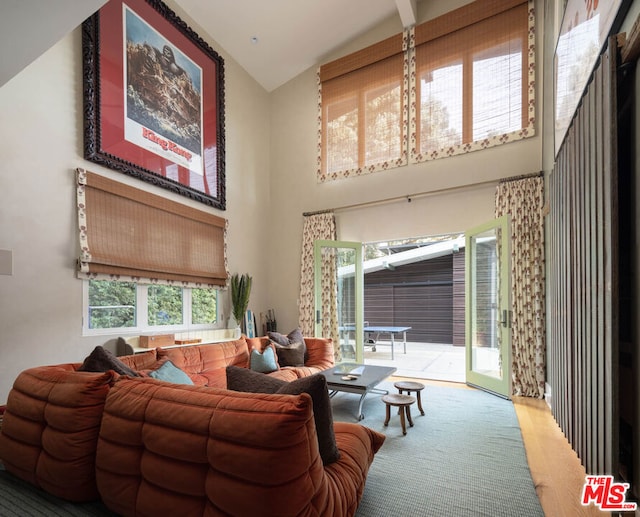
50	429
205	364
241	379
319	354
195	451
53	415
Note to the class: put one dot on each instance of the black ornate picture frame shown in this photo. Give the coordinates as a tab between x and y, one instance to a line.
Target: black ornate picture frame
154	99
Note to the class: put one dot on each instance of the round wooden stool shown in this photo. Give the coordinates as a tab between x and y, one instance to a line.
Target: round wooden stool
410	386
403	403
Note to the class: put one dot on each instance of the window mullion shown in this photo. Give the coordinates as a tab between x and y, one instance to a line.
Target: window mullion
467	98
362	130
186	306
142	306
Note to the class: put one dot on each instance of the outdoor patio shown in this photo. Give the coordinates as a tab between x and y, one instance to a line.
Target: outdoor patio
422	360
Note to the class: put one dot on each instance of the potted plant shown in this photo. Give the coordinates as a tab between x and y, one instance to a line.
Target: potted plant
240	292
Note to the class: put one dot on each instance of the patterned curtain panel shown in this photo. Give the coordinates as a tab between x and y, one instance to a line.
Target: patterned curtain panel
329	298
523	199
316	227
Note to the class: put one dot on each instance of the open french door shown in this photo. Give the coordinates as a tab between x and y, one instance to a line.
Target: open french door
339	296
488	307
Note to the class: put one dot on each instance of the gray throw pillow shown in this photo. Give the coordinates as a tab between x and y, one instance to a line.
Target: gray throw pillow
242	379
102	360
290	355
288	347
295	336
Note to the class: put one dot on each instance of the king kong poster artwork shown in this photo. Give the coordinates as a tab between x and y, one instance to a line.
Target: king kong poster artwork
161	95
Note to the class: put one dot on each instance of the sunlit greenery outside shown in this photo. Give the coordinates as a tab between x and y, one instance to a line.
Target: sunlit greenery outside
381	134
113	305
204	304
164	305
373	250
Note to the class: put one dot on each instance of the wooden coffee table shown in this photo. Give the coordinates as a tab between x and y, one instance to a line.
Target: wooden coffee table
362	384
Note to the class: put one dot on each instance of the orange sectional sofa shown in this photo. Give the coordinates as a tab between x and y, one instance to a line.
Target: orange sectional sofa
187	450
137	442
205	364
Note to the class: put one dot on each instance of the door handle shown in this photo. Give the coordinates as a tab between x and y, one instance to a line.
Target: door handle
506	318
318	319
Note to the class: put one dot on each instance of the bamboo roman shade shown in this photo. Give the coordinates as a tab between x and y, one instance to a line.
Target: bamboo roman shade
363	100
471	75
461	82
132	235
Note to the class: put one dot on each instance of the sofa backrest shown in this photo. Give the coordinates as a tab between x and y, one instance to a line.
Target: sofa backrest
205	364
193	450
50	429
142	361
320	352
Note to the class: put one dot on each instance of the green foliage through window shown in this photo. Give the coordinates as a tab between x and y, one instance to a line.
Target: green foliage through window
203	306
164	305
111	304
114	305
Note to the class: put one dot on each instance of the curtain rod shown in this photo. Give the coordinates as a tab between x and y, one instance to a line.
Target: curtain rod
408	198
522	177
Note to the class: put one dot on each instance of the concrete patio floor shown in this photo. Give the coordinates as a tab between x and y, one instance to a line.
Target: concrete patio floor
422	361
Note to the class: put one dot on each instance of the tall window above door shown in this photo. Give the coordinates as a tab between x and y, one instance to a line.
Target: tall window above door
473	87
364	111
458	83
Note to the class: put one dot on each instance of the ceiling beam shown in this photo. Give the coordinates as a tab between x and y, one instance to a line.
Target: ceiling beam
408	11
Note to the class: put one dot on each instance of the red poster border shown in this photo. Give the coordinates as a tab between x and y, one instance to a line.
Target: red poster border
102	42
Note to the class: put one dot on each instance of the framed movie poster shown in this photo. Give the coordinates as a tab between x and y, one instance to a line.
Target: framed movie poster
586	25
154	99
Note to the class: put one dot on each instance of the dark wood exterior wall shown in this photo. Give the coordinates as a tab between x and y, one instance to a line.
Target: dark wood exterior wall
458	298
418	295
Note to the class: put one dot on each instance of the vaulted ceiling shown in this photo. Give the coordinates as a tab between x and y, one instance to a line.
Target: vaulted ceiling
273	40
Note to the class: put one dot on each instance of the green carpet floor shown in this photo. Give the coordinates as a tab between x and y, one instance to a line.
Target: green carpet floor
464	457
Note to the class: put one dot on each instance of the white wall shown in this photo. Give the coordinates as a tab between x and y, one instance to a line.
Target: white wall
462	197
271	143
41	143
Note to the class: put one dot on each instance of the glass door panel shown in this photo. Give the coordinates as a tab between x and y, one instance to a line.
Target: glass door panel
339	296
488	343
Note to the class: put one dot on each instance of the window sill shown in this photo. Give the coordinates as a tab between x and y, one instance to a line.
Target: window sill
131	344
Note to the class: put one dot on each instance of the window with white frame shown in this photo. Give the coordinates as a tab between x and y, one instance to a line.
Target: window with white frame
461	82
133	307
471	84
147	263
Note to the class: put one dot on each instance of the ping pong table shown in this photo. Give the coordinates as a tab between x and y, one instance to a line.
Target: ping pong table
372	335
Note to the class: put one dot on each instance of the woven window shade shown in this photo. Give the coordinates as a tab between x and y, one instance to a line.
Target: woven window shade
468	83
362	58
129	234
363	115
463	17
471	74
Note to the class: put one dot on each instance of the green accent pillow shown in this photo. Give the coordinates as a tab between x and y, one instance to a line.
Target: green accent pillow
243	379
264	362
169	372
